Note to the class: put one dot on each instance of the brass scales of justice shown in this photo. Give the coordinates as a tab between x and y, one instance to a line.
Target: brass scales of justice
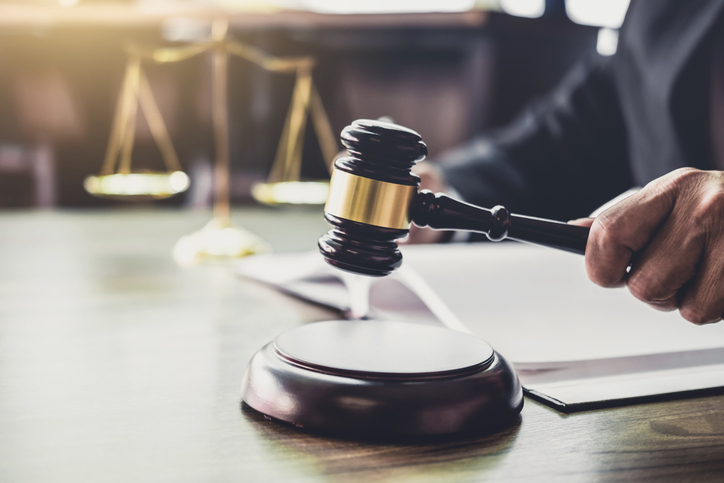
220	238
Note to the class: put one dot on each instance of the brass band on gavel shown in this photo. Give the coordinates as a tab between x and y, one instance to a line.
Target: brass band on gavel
369	201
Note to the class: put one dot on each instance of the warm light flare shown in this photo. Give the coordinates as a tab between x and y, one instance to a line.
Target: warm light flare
217	241
387	6
599	13
523	8
292	193
150	185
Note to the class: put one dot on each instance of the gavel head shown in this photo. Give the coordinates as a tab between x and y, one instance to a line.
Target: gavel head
369	197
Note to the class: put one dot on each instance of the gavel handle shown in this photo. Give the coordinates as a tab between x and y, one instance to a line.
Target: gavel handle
441	212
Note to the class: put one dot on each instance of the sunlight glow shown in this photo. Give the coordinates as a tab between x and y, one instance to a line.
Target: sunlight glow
152	184
387	6
523	8
599	13
607	41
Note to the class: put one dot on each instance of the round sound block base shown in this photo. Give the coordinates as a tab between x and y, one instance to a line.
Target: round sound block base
382	379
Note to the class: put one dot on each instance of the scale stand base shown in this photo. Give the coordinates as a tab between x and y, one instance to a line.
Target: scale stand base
382	379
218	241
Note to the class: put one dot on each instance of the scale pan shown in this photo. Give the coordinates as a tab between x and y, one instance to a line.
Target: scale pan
137	186
292	193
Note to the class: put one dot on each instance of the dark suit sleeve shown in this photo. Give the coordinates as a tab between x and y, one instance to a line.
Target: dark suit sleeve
561	158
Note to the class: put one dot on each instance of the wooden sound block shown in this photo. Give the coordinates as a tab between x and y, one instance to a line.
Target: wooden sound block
382	379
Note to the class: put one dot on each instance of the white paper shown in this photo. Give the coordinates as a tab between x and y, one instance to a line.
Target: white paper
570	341
573	392
305	275
536	305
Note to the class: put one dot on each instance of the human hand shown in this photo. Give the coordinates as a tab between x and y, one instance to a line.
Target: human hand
672	234
430	179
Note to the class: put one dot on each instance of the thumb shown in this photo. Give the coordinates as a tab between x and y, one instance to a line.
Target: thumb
587	222
626	228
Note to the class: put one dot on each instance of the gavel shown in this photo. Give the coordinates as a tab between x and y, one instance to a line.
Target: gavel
374	196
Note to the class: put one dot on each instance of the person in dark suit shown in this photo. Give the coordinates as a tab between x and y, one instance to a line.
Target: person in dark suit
651	115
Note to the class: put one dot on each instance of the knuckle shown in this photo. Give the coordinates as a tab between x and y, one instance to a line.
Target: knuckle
596	277
683	177
664	305
710	206
603	241
677	182
603	277
645	290
606	230
698	315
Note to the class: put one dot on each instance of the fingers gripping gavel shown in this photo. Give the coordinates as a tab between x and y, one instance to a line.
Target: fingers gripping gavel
666	243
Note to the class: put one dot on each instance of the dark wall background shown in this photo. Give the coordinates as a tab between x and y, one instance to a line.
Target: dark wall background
59	87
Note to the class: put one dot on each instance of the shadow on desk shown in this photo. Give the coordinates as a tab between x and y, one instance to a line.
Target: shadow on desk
336	454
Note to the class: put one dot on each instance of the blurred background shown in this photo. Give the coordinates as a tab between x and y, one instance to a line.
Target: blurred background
447	68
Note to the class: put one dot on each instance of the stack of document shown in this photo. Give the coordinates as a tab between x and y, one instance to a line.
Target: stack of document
574	345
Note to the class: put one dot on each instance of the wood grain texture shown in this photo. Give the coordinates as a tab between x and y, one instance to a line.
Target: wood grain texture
118	365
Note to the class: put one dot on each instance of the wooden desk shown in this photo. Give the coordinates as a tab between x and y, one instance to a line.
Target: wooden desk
118	365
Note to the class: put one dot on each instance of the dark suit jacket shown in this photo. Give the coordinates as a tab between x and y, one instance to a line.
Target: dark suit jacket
613	123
